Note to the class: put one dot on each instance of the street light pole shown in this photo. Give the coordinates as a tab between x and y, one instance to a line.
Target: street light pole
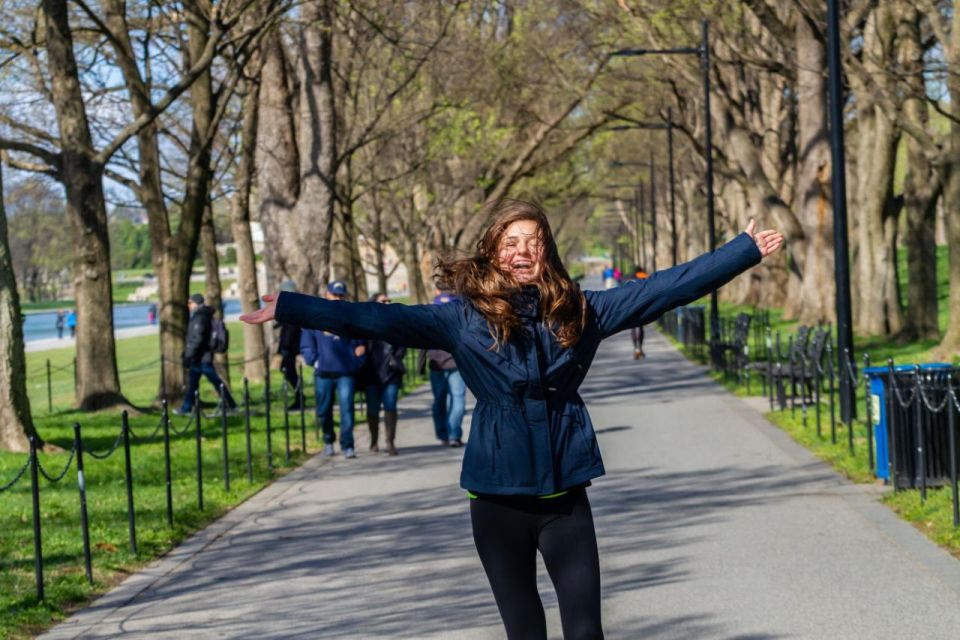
668	127
643	224
841	247
673	204
636	227
708	152
703	51
653	217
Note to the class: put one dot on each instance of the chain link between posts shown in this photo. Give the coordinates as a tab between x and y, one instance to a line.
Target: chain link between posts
16	478
66	467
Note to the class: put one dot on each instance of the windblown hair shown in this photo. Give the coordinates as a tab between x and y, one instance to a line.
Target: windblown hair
479	279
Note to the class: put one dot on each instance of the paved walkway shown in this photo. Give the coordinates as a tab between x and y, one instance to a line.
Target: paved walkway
45	344
712	524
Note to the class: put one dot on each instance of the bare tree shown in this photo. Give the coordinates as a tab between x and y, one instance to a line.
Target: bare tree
16	421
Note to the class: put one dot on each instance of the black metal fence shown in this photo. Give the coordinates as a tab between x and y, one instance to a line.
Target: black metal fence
166	428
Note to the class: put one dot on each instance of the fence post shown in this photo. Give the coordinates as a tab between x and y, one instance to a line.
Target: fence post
223	429
76	382
869	413
128	468
49	389
246	427
81	483
803	390
852	375
300	403
286	418
266	396
196	415
891	423
921	440
952	426
818	382
770	372
37	544
833	389
166	462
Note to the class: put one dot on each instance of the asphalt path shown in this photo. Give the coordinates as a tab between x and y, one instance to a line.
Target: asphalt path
711	524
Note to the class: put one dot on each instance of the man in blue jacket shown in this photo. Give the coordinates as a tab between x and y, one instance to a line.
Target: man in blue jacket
335	361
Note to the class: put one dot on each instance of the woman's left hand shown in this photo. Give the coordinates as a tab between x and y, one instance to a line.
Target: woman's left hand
264	314
767	241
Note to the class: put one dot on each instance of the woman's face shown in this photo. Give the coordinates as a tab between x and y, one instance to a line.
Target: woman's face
521	251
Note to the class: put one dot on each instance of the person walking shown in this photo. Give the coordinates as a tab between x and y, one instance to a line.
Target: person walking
152	314
524	335
449	390
381	377
72	323
58	323
198	355
636	333
335	359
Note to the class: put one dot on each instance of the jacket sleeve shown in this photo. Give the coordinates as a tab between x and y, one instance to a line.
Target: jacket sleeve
641	301
308	348
421	326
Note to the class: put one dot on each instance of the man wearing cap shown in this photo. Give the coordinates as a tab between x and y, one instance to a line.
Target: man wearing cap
335	361
197	355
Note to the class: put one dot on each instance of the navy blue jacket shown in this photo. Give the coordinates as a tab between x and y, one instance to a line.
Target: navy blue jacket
329	354
530	433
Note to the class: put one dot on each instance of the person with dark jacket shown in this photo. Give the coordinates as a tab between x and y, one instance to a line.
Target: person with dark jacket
288	346
523	336
335	359
381	377
198	356
449	390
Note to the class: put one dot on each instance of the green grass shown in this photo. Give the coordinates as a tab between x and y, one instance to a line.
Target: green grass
21	614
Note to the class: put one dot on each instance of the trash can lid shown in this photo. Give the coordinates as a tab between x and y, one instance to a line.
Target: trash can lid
906	368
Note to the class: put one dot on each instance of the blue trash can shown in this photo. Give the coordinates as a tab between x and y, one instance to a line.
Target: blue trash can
879	379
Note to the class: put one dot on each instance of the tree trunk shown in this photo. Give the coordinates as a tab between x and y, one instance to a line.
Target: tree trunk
921	189
818	286
16	421
879	311
213	293
411	260
297	154
98	385
254	347
950	345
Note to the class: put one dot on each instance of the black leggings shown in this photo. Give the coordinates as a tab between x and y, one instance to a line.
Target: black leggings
636	334
508	531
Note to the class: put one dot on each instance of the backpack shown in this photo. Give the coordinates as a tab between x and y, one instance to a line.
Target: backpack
219	336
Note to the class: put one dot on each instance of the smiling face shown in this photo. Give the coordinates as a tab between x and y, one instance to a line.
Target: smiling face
521	251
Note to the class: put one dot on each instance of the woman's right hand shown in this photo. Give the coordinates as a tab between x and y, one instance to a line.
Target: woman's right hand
265	314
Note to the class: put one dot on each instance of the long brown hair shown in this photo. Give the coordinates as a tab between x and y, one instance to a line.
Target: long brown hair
479	280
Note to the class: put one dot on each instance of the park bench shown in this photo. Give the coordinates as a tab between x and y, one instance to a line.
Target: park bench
731	352
776	371
805	372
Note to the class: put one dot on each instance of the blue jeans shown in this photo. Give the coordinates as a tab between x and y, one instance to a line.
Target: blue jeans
387	394
449	403
325	387
193	384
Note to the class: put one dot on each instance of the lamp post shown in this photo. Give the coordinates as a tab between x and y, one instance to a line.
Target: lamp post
668	127
841	247
703	51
